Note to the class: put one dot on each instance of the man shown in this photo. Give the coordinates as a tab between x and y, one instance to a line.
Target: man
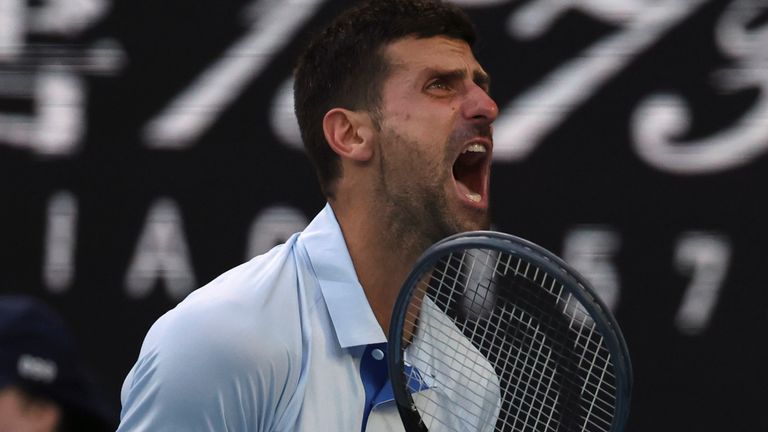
43	386
395	114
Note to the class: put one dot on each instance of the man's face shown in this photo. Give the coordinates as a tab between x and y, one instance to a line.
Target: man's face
19	413
435	140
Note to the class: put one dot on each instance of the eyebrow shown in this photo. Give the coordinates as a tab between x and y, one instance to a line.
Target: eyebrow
482	79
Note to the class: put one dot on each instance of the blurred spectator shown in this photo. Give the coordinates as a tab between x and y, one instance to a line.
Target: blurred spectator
43	384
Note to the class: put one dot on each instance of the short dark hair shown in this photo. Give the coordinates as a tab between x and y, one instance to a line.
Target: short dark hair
344	66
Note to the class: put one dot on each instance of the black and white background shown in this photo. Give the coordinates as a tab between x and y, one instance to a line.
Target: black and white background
147	146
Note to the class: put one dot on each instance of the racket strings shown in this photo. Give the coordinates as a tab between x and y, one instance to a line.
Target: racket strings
588	344
552	370
539	316
470	329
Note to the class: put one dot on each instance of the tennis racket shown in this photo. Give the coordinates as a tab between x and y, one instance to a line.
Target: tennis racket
491	332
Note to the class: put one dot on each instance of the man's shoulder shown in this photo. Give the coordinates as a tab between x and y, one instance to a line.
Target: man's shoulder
245	314
239	335
253	277
255	299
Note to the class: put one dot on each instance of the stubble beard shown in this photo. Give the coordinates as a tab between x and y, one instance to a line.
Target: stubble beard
415	210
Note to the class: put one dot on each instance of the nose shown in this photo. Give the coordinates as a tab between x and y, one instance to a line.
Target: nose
480	106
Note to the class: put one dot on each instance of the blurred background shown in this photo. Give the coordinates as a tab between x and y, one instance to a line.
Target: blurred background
146	147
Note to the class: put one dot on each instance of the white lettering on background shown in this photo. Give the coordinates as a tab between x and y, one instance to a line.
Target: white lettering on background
161	255
524	122
66	17
534	18
706	258
193	111
274	225
662	119
60	242
591	251
59	122
12	29
56	90
61	119
283	117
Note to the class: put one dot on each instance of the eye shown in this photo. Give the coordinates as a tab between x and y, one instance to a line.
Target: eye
439	84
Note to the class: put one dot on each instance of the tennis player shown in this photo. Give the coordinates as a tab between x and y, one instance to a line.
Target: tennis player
395	114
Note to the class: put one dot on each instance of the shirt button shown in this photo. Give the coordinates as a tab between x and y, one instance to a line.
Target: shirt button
377	354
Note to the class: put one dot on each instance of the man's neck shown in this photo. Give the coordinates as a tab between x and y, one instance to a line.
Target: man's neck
382	260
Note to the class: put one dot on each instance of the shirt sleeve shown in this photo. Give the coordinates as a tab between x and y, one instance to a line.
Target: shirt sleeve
209	373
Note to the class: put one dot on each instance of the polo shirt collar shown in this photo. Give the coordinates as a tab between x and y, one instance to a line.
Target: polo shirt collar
350	312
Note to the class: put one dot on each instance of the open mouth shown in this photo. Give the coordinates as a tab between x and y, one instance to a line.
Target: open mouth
470	170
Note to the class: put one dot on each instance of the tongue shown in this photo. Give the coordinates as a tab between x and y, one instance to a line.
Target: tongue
467	193
466	171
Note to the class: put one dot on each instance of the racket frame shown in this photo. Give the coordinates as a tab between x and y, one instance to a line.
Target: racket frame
509	244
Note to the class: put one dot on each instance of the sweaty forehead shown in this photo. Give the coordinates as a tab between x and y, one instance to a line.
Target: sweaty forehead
414	54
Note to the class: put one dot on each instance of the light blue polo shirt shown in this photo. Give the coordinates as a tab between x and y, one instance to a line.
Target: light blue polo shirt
275	344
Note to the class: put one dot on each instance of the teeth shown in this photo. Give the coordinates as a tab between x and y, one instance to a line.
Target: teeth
475	148
473	196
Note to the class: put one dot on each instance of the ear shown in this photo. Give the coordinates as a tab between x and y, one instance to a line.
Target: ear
349	133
